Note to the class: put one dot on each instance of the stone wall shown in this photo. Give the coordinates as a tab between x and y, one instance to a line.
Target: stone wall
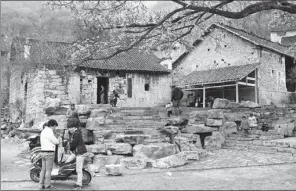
158	94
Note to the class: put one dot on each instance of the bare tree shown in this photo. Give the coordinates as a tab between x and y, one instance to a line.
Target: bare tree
134	25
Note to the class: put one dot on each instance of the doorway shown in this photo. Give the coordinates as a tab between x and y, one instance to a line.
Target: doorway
102	81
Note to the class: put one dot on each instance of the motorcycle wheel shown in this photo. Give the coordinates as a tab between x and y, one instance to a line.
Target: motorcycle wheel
86	177
35	174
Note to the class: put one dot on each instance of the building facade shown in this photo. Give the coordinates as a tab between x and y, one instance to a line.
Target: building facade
264	80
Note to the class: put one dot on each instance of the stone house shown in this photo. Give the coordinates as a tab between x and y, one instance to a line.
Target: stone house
233	64
137	76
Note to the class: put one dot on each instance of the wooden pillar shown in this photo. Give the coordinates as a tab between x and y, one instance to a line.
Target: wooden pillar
204	97
236	92
256	87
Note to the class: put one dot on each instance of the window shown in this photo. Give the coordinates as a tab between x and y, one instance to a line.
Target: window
273	73
147	87
281	59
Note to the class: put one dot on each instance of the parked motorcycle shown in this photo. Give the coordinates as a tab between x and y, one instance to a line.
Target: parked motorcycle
64	170
34	141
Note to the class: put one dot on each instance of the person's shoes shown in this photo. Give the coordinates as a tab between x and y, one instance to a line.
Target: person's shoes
50	188
77	187
41	187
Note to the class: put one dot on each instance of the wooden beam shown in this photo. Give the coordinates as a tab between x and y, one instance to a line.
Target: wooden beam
209	87
236	92
204	97
256	86
247	84
250	78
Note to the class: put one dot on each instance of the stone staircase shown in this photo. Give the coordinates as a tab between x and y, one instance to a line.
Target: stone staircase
267	142
133	121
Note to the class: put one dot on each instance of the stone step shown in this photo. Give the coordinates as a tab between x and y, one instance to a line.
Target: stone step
240	138
144	117
139	121
139	114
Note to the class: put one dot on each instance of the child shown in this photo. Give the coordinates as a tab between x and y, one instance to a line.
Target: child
264	127
245	125
252	121
169	108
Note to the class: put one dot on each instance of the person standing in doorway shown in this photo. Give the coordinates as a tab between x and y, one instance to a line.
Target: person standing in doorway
48	144
102	95
177	95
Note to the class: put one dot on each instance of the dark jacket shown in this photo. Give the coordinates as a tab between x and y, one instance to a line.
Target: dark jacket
177	94
77	144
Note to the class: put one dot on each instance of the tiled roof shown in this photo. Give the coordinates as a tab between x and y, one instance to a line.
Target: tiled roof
133	60
288	41
258	40
226	74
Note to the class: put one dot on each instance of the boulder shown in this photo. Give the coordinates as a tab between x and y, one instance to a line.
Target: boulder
233	116
94	123
119	148
215	114
285	129
154	151
101	112
170	129
214	141
100	161
52	102
134	139
171	161
93	168
198	116
96	149
249	104
199	128
214	122
220	103
228	128
134	163
177	121
185	144
233	105
83	109
191	155
114	169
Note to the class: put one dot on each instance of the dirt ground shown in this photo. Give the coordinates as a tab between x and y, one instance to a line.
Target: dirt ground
15	176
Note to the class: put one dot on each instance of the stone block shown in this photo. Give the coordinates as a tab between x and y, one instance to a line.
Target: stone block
119	148
191	155
101	112
199	128
236	116
287	150
220	103
100	161
171	161
228	128
177	121
215	114
95	123
198	116
214	122
154	151
249	104
134	139
96	149
114	170
134	162
93	168
214	141
257	142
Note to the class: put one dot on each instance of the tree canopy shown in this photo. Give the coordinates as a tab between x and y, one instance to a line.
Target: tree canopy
118	26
